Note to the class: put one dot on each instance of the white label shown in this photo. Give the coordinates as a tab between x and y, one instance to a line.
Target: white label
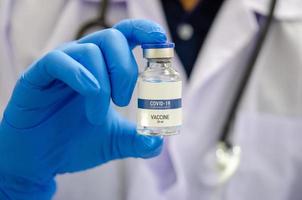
159	104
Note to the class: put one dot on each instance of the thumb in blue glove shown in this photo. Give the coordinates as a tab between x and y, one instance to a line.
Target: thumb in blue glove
59	117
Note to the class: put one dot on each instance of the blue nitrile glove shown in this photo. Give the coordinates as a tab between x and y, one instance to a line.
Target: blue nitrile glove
59	117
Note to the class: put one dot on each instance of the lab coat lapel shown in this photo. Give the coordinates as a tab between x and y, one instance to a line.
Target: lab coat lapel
285	10
233	28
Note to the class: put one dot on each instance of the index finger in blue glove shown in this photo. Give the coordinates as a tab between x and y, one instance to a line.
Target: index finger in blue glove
120	61
139	31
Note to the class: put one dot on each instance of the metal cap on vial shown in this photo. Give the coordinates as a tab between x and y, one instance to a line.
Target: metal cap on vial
160	50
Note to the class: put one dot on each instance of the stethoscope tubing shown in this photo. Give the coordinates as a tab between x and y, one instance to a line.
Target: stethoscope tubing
98	22
227	127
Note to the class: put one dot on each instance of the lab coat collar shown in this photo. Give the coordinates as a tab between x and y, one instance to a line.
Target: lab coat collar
285	9
234	27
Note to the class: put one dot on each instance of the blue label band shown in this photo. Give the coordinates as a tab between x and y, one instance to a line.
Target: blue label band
159	104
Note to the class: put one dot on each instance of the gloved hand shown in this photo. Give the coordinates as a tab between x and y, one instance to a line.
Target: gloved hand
59	117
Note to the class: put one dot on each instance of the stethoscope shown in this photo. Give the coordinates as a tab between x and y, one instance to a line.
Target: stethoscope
99	22
227	155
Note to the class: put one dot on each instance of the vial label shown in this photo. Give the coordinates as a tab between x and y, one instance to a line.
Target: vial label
159	104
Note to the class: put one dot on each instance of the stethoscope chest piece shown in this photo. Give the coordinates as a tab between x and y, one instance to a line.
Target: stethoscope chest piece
220	164
228	160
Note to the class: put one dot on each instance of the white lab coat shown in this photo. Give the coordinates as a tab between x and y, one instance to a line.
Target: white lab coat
268	125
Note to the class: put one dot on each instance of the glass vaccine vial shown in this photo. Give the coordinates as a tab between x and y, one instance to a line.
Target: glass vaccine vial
159	92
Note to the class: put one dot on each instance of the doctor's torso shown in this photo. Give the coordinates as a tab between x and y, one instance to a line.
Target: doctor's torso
267	127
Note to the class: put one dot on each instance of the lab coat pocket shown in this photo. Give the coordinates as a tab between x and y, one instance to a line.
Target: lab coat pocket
271	162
